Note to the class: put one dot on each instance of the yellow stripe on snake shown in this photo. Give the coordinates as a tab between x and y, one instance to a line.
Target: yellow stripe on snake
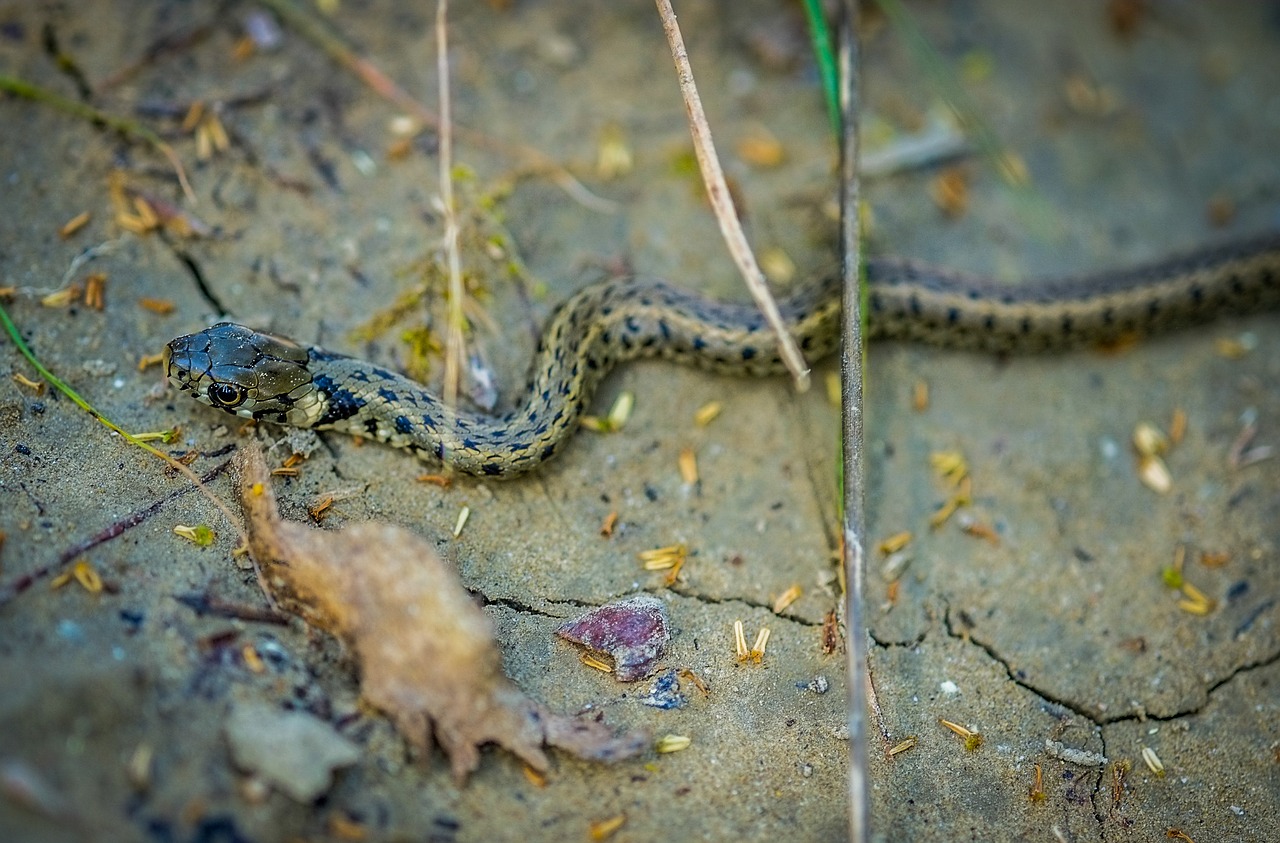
267	378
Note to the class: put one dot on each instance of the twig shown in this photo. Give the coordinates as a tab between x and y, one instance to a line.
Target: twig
722	202
453	345
851	376
123	125
535	160
22	583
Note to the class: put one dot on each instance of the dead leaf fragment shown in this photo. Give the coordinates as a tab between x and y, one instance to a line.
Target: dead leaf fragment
633	632
426	652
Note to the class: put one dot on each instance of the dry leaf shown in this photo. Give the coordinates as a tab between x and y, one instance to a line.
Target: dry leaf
426	651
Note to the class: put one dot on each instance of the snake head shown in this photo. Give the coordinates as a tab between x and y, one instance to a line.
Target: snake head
244	372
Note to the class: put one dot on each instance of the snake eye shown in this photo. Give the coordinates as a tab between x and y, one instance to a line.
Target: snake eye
227	395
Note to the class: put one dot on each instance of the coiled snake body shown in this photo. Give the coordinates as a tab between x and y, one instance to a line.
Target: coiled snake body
268	378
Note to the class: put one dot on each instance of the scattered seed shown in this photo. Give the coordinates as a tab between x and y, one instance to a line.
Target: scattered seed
1195	601
1178	834
604	829
1154	474
1037	786
777	265
740	641
88	578
613	152
320	507
787	597
920	396
662	558
444	481
610	522
61	298
138	770
672	743
972	739
895	542
1177	426
596	663
757	649
707	413
535	778
950	465
94	291
686	673
1153	762
146	361
201	535
1214	560
463	515
74	224
251	659
950	191
688	462
1149	440
761	149
1230	348
22	380
902	747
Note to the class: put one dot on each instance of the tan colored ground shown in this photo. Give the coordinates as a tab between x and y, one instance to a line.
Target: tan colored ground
1061	631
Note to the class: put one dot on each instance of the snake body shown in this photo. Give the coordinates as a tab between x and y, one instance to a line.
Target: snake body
269	378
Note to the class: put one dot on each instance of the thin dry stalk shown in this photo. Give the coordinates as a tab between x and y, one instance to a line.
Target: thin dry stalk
453	347
531	159
722	202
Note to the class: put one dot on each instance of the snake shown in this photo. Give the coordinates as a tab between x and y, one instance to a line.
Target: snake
270	378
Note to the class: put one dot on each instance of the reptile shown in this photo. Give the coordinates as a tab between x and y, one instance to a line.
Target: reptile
269	378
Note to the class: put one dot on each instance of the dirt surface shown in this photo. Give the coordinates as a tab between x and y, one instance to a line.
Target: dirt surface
1060	628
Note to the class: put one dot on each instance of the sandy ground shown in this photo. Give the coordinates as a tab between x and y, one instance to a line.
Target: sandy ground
1060	629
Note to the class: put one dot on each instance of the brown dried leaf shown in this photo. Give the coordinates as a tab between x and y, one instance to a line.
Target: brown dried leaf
426	651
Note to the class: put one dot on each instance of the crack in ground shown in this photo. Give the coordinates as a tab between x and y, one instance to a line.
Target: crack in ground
1075	708
743	601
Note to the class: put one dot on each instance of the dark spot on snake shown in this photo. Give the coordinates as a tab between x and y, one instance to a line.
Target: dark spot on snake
748	353
664	329
319	354
492	469
371	425
633	325
989	322
469	443
953	315
699	343
548	451
384	374
1067	325
403	425
388	395
914	305
359	375
1025	325
428	421
342	403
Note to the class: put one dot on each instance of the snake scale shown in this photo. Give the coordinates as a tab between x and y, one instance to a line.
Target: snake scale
268	378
